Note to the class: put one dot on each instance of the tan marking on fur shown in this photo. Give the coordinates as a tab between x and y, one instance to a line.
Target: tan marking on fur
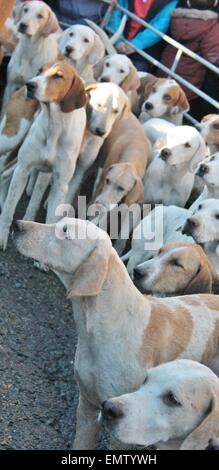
212	345
8	39
167	334
178	98
6	7
19	106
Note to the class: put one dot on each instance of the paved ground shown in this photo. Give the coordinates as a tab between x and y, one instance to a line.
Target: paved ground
38	395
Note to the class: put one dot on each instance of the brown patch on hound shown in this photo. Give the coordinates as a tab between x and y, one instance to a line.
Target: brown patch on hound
19	107
173	325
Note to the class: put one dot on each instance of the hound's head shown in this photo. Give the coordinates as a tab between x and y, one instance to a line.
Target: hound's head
208	170
35	18
107	103
181	145
203	226
60	84
159	96
119	69
209	128
121	184
74	247
178	402
178	268
81	42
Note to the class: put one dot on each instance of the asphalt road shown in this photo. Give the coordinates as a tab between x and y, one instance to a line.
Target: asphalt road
38	394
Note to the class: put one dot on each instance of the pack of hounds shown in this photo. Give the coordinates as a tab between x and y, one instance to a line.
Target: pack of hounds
79	119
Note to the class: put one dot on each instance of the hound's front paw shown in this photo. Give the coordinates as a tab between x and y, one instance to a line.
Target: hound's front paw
4	233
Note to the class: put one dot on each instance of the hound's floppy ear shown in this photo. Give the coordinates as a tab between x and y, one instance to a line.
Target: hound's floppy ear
136	194
202	282
159	144
198	439
182	103
146	85
75	98
199	155
98	68
91	87
126	110
97	52
51	25
17	12
90	276
207	117
132	81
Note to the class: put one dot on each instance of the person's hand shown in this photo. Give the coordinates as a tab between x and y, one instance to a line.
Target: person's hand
124	48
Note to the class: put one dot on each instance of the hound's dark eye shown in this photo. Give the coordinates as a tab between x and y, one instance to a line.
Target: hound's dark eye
26	10
39	71
107	64
39	16
175	262
107	181
153	90
116	111
216	126
65	228
217	216
86	40
167	97
199	207
212	158
71	34
187	145
122	71
120	188
170	400
57	76
145	380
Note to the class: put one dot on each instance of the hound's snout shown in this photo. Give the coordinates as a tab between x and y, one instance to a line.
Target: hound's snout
22	28
31	88
165	154
203	170
112	411
149	106
190	225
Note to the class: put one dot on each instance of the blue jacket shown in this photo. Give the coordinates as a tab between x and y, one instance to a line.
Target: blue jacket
145	38
74	11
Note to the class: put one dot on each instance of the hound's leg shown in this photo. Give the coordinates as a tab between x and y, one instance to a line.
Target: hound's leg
57	196
87	427
16	189
39	190
31	182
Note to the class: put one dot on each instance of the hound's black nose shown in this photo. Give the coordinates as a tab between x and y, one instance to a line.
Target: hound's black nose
165	153
68	50
17	226
104	79
189	226
149	106
100	132
203	169
22	28
111	411
137	273
31	88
